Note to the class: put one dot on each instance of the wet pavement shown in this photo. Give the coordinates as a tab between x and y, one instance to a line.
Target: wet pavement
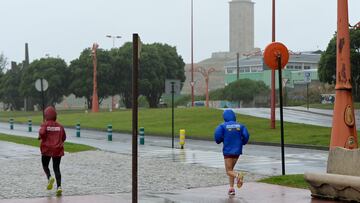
265	160
9	150
249	193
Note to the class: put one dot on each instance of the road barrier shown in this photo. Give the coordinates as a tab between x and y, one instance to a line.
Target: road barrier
182	138
109	130
142	135
29	125
78	130
11	122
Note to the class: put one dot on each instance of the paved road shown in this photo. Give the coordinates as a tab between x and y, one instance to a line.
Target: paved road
257	159
320	117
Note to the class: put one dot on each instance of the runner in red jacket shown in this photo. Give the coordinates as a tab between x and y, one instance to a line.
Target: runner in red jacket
52	136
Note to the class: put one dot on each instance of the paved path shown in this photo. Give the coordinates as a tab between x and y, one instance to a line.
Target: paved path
265	160
249	193
198	166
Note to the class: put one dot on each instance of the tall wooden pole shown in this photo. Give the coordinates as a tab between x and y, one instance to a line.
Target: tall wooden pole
135	94
273	94
343	133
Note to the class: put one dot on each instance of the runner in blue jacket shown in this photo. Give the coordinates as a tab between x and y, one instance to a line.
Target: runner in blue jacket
233	135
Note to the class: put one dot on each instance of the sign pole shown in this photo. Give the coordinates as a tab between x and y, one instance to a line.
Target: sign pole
135	94
42	98
172	113
307	96
281	117
276	56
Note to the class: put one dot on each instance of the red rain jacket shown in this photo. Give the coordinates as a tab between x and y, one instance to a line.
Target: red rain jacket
52	135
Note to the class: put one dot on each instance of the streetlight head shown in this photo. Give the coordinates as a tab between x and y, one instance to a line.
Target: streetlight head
118	36
109	36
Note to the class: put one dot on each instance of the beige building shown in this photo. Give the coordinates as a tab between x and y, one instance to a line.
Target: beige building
241	35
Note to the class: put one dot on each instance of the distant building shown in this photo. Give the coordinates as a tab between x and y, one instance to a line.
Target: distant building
241	26
241	35
253	67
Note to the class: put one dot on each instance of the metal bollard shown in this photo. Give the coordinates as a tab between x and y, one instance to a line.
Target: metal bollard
182	138
78	130
142	135
29	125
109	130
11	121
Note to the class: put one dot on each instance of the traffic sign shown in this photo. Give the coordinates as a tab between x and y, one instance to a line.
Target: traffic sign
272	52
168	86
44	85
307	77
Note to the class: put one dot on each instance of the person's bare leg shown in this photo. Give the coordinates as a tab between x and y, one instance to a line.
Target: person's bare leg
229	167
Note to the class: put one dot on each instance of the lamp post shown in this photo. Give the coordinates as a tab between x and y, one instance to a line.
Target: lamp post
192	55
206	73
113	37
273	95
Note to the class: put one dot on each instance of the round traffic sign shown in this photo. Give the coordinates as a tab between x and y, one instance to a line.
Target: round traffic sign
45	84
272	52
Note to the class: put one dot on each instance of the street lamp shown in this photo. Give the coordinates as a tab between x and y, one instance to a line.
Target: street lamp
192	53
206	73
113	37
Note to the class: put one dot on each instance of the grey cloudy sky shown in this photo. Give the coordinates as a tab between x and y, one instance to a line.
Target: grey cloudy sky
64	28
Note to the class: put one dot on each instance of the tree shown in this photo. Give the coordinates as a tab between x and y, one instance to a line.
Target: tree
55	71
244	90
122	65
158	62
217	94
327	63
3	62
81	70
10	90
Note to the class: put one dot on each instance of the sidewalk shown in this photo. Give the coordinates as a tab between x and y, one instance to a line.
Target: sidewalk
265	160
250	192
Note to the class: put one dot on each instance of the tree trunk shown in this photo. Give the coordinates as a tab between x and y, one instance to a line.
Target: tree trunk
89	103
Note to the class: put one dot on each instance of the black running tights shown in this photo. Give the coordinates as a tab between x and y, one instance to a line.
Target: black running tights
45	160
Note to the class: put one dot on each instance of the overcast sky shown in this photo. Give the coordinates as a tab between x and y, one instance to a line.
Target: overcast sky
64	28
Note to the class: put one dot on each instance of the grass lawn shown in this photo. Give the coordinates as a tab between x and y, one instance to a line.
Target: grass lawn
296	181
199	123
69	147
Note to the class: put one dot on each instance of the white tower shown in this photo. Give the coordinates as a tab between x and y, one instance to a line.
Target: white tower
241	26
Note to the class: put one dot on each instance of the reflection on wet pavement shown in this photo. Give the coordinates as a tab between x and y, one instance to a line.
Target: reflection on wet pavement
10	150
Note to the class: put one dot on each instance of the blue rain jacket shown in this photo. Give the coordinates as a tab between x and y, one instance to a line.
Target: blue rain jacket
234	135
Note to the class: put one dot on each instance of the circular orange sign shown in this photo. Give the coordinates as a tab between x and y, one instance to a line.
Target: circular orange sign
272	52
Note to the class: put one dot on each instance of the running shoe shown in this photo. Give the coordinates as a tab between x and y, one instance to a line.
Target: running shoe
50	183
239	180
59	191
231	191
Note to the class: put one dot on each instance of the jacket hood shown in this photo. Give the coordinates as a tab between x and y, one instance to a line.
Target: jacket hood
229	115
50	114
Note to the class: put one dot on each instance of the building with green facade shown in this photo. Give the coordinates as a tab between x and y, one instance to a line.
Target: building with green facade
301	67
